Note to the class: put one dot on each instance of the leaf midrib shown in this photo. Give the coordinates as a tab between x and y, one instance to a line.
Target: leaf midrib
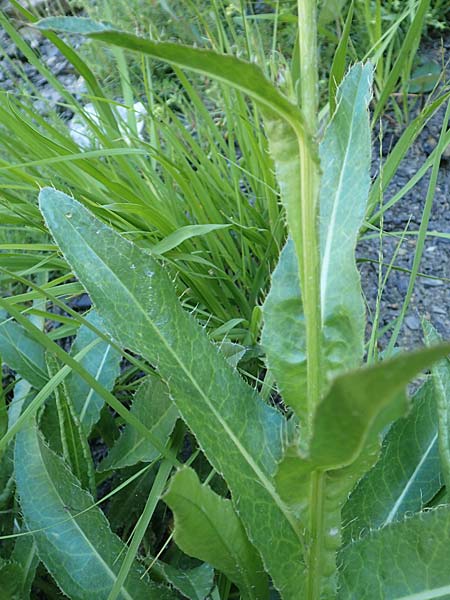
248	459
75	523
336	205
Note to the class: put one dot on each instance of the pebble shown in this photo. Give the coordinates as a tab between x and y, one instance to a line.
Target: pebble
412	322
427	282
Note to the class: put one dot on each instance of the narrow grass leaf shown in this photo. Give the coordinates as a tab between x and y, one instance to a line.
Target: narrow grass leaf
241	436
337	70
409	42
208	528
25	555
241	75
184	233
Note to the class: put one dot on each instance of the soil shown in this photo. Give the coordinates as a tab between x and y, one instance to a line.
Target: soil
431	298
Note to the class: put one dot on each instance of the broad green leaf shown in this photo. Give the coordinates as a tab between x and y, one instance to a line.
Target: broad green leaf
25	555
403	561
195	584
358	405
153	407
74	444
283	335
184	233
343	197
242	75
10	577
406	476
345	157
22	353
345	444
331	10
79	550
441	384
208	528
241	436
103	362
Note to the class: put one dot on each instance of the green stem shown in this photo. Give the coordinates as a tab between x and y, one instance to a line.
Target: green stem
310	276
316	534
307	243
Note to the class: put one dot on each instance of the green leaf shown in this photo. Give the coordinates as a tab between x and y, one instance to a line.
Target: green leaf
242	75
184	233
410	41
337	70
79	550
241	436
330	11
154	408
345	149
75	447
207	528
25	555
283	335
406	476
441	383
10	577
22	353
345	444
424	78
103	362
345	156
403	561
358	405
195	584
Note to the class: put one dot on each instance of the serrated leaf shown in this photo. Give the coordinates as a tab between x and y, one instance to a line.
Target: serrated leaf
403	561
345	157
406	476
345	444
357	407
242	75
25	555
441	385
241	435
154	408
79	551
207	528
103	362
344	150
10	578
283	335
74	444
22	353
195	584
